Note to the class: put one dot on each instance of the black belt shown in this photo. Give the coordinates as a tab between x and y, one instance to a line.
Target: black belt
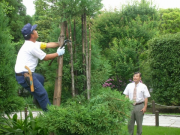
20	74
139	103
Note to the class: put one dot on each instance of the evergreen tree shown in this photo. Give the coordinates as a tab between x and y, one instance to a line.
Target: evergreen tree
8	86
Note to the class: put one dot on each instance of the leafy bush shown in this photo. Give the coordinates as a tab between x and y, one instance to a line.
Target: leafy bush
27	126
104	114
165	68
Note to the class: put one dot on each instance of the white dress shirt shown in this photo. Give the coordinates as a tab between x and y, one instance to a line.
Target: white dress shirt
142	92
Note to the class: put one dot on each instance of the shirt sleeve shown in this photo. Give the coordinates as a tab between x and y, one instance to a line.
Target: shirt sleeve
126	91
146	92
37	52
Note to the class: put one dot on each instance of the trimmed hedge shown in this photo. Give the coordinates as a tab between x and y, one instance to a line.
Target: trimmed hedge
165	67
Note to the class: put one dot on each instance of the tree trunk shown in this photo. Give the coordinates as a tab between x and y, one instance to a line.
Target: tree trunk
72	64
67	36
89	83
87	61
58	82
83	49
76	90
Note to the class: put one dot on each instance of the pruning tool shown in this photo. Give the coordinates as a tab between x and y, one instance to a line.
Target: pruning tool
65	42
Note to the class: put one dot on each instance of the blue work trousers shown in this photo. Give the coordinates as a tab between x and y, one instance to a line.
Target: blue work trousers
39	93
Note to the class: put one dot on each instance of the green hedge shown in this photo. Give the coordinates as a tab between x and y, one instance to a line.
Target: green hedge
104	114
165	67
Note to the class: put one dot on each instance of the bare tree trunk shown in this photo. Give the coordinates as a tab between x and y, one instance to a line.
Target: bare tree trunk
67	36
58	82
87	61
83	48
74	40
72	64
89	57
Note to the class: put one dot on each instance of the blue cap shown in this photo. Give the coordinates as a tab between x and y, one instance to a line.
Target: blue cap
27	29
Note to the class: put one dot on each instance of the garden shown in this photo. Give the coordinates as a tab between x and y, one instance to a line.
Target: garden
107	48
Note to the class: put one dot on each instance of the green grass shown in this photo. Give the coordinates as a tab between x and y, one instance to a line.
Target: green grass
153	130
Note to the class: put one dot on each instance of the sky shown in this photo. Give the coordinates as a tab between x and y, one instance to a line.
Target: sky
111	4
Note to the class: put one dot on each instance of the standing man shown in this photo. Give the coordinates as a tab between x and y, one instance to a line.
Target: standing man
28	55
138	93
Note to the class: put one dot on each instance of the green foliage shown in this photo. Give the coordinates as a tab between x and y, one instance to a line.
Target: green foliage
170	20
5	7
19	126
165	68
104	114
44	19
123	55
17	18
123	37
8	85
144	8
100	67
73	8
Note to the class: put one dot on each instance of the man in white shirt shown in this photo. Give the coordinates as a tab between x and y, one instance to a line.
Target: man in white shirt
28	55
138	93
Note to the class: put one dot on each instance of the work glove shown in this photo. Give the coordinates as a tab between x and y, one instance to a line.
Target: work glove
60	51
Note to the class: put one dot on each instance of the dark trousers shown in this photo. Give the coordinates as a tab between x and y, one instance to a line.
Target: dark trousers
136	115
39	93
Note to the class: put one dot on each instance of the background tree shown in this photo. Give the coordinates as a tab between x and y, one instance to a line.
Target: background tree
123	37
170	20
17	19
8	86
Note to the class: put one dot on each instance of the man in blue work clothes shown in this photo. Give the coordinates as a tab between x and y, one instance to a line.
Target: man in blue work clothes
138	93
28	55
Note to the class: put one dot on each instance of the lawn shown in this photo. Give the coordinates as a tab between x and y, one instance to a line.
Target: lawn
153	130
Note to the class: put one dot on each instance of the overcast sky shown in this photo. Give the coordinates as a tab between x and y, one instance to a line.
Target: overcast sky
111	4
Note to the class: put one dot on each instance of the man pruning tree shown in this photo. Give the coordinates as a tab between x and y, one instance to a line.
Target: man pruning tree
27	60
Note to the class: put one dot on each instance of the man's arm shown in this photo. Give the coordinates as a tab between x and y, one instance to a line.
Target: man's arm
127	96
52	45
60	51
50	56
145	105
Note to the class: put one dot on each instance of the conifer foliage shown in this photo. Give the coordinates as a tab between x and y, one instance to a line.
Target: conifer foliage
8	86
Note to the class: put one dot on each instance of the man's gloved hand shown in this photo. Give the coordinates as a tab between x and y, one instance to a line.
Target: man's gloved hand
60	51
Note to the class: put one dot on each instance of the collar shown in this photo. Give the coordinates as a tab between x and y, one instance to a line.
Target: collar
137	84
30	41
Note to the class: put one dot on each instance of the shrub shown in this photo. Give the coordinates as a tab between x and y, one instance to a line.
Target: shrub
104	114
28	126
165	68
